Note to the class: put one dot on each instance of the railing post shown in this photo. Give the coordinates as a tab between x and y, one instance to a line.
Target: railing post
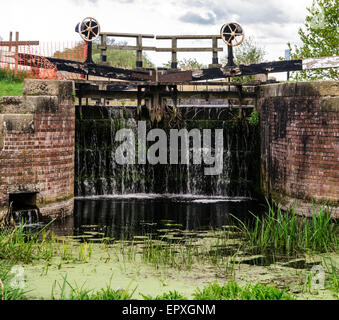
174	64
103	48
10	48
16	53
139	51
215	59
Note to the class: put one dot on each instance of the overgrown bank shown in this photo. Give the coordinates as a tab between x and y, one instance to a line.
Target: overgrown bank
72	268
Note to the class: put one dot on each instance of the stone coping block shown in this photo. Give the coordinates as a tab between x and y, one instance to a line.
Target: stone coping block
63	89
301	89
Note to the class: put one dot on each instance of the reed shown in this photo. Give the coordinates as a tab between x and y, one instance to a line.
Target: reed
332	275
10	76
232	291
76	293
289	233
16	245
7	292
184	255
172	295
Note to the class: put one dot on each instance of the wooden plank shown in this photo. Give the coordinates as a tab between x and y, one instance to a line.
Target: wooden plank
246	70
127	35
321	63
18	43
161	49
188	37
132	95
99	70
127	48
175	76
180	76
85	68
188	49
215	95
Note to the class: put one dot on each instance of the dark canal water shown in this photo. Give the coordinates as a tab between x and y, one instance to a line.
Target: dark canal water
131	216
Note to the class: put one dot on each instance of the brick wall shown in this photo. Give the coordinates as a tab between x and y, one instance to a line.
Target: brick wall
300	143
37	146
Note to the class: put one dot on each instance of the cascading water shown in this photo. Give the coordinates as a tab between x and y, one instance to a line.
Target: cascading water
97	172
28	217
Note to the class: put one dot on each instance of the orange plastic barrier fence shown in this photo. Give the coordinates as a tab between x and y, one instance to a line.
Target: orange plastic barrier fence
31	62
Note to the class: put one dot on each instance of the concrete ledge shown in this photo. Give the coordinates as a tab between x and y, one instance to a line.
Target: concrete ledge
59	209
329	104
299	89
306	208
62	89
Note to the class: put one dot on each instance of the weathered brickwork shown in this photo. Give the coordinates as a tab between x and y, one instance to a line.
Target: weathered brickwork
37	146
300	143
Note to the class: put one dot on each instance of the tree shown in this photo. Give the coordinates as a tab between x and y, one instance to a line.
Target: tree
247	53
320	38
186	64
120	58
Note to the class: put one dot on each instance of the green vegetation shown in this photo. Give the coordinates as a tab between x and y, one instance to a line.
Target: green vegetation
254	118
121	58
11	89
172	295
287	232
213	291
332	272
221	250
7	292
115	57
11	84
183	255
77	293
187	64
232	291
319	39
17	246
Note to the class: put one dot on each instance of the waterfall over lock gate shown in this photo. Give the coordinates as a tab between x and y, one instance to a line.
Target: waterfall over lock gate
97	171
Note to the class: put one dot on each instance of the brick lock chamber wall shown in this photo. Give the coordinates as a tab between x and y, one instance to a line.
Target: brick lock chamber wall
37	146
300	143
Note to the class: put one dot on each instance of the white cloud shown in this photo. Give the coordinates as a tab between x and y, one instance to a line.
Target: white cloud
272	23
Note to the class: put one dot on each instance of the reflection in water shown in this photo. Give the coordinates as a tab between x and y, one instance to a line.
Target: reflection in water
124	217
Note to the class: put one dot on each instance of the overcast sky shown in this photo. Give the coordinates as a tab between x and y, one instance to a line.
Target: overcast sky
272	23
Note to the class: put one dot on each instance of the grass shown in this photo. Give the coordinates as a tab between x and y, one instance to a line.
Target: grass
77	293
289	233
183	255
332	275
11	89
213	291
18	246
11	84
232	291
276	231
7	291
172	295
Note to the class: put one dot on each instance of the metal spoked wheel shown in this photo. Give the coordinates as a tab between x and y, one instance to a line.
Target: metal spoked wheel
89	29
232	34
